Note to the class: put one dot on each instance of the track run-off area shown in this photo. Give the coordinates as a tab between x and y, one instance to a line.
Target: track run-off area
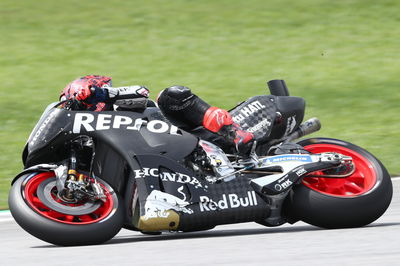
238	244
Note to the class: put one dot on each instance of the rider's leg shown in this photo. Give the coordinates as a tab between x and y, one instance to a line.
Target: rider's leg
179	103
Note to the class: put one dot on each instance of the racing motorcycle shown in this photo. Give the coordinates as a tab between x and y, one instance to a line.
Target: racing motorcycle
88	174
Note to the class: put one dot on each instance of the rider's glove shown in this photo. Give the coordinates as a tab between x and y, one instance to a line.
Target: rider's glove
243	139
92	95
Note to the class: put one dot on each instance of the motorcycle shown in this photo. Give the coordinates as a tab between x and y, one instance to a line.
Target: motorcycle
88	174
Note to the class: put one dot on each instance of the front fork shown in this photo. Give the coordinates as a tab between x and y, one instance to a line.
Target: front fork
74	186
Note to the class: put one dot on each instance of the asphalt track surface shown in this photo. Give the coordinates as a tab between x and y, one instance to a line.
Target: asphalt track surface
240	244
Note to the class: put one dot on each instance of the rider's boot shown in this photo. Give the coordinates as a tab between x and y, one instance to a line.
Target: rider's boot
220	121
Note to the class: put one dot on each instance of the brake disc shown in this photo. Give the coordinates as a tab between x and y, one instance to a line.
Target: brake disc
44	193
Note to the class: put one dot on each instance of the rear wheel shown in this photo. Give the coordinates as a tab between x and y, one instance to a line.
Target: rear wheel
36	208
356	200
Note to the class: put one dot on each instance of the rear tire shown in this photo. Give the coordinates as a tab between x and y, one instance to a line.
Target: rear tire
355	201
58	228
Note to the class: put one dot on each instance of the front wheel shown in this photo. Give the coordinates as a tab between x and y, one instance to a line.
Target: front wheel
34	205
354	201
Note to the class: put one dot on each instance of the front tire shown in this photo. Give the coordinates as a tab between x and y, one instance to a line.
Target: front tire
68	225
353	201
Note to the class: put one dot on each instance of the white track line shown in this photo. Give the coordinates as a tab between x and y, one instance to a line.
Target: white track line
5	216
3	220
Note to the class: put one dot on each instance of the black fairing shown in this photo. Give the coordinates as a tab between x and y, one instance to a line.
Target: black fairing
256	115
211	202
150	151
291	110
268	116
141	136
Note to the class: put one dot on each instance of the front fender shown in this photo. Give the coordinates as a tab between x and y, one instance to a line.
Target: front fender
36	168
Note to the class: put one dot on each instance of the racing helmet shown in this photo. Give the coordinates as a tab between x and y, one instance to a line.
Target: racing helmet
84	82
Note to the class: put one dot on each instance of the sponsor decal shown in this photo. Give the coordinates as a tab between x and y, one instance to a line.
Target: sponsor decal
159	203
229	201
139	90
300	171
180	190
106	121
291	124
156	214
42	127
263	123
247	110
283	183
143	91
288	158
167	176
220	117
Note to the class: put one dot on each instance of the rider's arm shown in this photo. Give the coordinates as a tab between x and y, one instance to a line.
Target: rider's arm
130	97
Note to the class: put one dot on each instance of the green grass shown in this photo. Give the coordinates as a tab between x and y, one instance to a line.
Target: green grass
341	56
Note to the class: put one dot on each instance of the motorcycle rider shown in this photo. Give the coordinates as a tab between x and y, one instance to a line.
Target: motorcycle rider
177	103
95	93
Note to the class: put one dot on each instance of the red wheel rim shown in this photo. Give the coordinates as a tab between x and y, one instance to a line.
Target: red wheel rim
30	194
360	182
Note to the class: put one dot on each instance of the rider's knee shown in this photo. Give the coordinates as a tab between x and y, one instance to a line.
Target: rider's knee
175	98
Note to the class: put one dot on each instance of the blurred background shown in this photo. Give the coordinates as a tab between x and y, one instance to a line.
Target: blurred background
341	56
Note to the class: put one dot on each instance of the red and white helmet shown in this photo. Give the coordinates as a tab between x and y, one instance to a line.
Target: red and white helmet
84	83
